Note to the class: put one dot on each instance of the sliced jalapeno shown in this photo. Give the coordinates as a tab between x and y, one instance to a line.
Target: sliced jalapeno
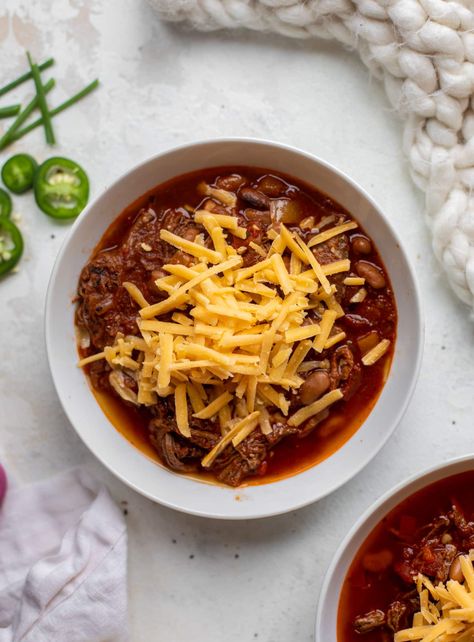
11	245
61	188
18	173
5	204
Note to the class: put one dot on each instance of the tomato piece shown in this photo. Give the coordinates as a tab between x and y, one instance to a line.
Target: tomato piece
5	204
18	173
11	245
61	188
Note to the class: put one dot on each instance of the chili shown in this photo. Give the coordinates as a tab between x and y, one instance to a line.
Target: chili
18	173
5	204
133	251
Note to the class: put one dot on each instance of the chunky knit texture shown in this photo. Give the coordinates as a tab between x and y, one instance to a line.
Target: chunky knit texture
423	52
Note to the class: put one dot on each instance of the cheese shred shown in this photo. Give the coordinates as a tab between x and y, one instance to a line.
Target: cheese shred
372	356
446	612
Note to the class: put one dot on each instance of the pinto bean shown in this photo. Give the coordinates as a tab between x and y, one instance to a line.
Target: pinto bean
371	273
455	571
314	386
255	198
258	215
271	186
230	183
361	245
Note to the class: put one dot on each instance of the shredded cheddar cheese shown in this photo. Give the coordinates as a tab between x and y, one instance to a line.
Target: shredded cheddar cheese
229	342
372	356
334	231
315	408
354	280
446	611
327	322
359	296
181	407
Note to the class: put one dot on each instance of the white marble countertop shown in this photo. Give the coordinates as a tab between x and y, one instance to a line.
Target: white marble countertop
191	577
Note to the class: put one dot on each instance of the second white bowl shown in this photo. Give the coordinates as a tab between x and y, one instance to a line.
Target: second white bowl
326	619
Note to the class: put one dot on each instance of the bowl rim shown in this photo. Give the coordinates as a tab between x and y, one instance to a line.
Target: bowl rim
371	512
416	358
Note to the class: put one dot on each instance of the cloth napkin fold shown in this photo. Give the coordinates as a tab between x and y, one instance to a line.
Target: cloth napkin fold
63	555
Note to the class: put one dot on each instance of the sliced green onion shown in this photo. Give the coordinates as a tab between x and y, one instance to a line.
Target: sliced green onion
42	104
27	76
19	133
10	110
7	137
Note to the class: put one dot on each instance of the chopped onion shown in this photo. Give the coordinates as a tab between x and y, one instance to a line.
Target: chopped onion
117	381
83	337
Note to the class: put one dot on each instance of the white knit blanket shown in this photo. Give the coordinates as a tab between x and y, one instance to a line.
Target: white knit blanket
423	51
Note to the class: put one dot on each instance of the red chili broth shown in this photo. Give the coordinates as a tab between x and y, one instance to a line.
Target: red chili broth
291	455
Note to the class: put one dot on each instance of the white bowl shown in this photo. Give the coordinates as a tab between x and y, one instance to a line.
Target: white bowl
326	619
130	465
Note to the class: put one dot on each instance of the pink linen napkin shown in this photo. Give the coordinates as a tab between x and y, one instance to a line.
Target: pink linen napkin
63	554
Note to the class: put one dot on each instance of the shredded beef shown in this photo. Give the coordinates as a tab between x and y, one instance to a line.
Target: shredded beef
176	453
344	372
397	615
253	449
205	439
369	621
104	306
334	249
235	472
280	430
